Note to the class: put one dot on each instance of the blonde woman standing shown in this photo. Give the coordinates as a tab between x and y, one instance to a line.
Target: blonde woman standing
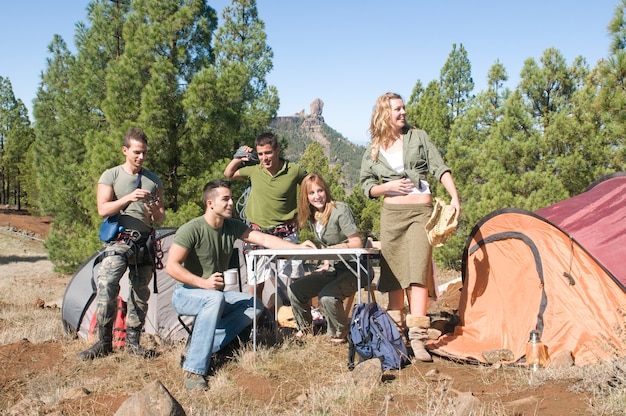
395	167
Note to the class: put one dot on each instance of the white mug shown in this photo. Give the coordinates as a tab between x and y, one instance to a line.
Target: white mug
230	276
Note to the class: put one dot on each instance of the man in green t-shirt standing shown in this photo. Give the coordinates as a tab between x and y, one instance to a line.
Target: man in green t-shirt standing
200	252
272	204
135	195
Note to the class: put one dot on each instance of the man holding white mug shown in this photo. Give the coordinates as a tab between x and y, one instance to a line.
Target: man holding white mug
201	249
230	277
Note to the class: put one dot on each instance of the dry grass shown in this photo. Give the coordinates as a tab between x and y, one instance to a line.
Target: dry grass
297	378
284	378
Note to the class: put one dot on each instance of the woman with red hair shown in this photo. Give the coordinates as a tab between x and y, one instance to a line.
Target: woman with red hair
334	226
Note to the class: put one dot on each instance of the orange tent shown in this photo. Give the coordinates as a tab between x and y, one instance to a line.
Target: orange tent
559	270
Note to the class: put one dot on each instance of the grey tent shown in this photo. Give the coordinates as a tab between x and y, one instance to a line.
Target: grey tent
78	301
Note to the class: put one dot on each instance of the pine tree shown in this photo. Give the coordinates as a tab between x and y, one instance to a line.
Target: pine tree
314	160
612	97
456	82
133	65
236	102
427	110
16	136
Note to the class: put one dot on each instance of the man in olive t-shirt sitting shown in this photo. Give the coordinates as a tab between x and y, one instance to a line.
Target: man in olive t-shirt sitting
200	252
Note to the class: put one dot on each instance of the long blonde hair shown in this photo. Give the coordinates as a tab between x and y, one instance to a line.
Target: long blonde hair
381	128
305	213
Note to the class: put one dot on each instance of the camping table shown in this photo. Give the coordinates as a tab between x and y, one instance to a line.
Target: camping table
345	255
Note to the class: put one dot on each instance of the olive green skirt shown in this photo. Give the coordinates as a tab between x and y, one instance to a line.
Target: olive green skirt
406	254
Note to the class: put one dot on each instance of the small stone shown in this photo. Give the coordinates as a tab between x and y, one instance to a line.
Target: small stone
75	393
494	356
153	400
27	407
432	373
368	373
466	404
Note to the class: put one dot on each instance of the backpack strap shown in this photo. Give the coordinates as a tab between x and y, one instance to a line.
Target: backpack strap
357	315
351	353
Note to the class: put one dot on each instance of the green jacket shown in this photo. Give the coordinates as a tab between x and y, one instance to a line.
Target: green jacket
420	157
341	225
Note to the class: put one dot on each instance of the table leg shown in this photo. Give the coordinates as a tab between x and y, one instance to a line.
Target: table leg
254	319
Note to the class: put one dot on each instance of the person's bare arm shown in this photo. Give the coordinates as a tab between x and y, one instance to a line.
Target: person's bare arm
400	186
271	241
108	205
174	267
232	169
448	183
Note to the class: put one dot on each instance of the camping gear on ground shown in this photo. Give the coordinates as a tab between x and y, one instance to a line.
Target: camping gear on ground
535	352
559	270
373	334
119	326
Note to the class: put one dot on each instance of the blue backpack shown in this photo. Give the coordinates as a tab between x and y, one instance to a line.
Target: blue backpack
373	334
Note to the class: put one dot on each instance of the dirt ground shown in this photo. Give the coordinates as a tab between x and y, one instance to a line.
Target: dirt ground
21	221
21	360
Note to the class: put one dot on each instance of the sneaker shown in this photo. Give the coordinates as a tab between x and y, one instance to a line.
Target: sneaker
195	381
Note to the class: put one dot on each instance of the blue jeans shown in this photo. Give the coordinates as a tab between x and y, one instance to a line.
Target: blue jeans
219	318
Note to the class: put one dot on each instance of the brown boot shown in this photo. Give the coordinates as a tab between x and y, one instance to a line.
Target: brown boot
418	334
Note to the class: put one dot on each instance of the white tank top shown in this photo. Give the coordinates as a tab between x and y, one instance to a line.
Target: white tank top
396	163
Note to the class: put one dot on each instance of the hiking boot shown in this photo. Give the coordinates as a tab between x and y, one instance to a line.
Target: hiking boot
194	381
132	344
418	334
416	337
102	348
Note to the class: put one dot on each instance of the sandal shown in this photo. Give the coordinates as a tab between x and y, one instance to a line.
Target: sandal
338	340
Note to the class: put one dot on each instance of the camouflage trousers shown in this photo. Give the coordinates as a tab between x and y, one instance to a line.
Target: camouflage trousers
111	271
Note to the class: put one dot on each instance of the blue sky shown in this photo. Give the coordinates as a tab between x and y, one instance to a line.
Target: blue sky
348	52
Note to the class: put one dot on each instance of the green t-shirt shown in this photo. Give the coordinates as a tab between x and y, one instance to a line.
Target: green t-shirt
209	248
134	216
273	199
